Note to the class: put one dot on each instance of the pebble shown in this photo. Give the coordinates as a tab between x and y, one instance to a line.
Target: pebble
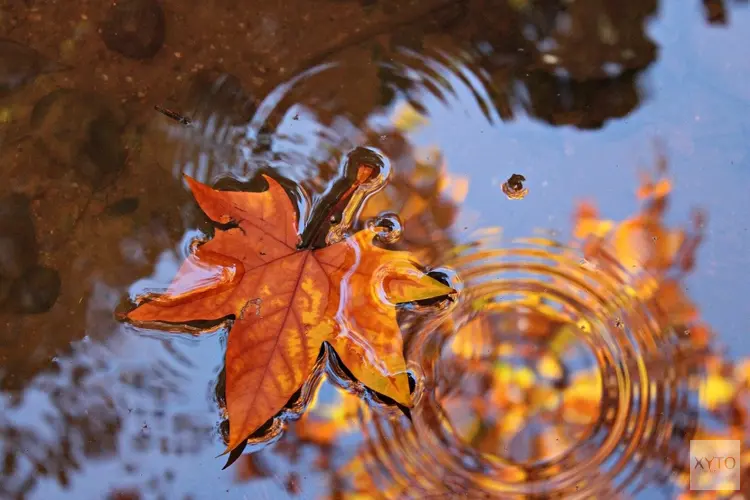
35	292
18	246
134	28
20	65
124	206
82	131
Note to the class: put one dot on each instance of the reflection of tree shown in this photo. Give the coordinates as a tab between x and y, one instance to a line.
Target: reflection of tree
563	63
715	11
94	410
62	405
566	63
86	427
643	241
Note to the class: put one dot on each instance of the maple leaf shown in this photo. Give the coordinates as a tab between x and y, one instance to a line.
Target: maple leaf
286	301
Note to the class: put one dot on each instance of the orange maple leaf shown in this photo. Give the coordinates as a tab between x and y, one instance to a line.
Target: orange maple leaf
287	301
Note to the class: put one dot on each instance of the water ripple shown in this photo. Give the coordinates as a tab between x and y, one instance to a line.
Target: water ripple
555	376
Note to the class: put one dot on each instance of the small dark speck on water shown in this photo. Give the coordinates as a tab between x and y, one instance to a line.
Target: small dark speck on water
174	115
516	181
513	187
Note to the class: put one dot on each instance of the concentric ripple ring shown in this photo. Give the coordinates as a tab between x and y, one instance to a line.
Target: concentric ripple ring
553	377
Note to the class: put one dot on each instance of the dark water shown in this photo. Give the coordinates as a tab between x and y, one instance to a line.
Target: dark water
533	385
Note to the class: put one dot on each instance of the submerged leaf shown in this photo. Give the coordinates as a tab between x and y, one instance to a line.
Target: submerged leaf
287	301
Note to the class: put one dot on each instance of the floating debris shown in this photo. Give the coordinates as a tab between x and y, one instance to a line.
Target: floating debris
513	187
36	291
174	115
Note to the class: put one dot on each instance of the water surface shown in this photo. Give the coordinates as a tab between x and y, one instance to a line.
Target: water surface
459	96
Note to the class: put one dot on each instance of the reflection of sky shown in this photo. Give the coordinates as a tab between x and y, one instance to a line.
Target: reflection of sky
698	104
693	105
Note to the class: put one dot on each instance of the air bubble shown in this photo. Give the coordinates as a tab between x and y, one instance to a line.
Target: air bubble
387	226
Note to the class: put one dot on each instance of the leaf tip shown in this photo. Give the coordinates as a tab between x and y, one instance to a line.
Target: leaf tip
123	311
272	183
401	394
191	182
134	313
234	453
122	316
227	450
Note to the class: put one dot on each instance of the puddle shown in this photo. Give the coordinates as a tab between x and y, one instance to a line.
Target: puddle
579	360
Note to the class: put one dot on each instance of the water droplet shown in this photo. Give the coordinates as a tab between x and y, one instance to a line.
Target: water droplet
387	226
